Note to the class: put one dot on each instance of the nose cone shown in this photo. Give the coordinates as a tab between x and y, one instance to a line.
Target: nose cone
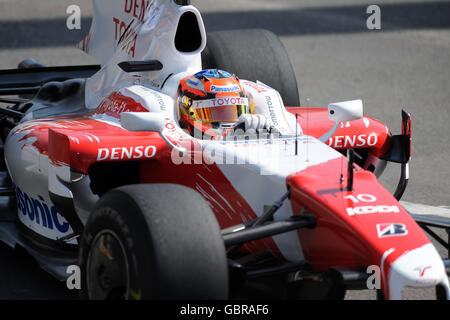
421	267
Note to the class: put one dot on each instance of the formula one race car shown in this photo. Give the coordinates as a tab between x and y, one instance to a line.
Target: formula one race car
162	173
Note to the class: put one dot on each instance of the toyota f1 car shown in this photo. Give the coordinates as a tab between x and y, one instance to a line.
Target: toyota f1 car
99	173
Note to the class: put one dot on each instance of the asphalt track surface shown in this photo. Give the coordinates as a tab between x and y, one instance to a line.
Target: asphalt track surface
336	58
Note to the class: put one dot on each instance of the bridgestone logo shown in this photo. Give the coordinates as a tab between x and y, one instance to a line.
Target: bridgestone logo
372	209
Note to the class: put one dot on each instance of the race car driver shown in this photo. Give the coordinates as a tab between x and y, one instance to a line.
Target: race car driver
214	103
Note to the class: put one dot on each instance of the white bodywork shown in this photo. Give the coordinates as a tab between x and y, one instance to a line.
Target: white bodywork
414	270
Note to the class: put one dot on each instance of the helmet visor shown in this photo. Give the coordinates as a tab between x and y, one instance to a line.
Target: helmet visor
224	109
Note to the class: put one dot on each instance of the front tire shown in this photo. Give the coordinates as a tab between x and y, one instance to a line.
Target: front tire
158	241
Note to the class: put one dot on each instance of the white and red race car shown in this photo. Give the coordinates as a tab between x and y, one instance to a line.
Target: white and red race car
98	173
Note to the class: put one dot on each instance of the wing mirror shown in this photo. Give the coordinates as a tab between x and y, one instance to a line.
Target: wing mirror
147	121
340	112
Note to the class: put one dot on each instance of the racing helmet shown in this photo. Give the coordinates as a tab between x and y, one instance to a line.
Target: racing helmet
211	97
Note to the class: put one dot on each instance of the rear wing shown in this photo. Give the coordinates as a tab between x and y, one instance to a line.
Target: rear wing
30	80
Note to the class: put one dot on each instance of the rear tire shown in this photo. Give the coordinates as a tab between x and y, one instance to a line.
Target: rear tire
254	54
158	241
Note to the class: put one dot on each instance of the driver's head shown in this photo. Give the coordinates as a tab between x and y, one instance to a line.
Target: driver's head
213	97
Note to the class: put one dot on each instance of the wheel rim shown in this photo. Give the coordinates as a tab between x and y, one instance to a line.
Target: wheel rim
107	272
